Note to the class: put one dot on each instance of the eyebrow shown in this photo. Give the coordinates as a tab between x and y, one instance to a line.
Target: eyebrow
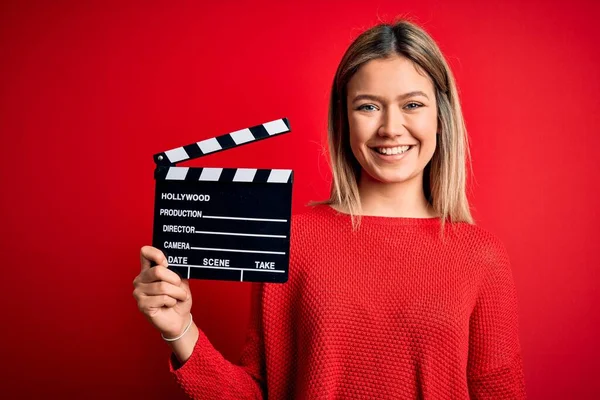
414	93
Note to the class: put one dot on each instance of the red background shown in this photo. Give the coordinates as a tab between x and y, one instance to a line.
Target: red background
90	91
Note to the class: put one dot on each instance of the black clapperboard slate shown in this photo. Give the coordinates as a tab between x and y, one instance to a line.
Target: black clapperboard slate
228	224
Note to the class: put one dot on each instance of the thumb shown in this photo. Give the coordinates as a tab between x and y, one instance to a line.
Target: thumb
150	256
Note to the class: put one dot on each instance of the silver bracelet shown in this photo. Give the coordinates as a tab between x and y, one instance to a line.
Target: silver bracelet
187	328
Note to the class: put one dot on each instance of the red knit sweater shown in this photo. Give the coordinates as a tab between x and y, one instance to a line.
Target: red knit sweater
388	311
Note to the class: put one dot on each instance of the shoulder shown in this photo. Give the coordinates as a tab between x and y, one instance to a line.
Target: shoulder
311	219
310	230
492	264
481	245
317	228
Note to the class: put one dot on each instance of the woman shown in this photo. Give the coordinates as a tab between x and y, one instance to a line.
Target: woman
392	292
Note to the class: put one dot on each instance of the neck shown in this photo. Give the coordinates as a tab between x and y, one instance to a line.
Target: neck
402	199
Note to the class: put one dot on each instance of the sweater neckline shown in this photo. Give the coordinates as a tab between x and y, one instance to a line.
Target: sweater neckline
378	220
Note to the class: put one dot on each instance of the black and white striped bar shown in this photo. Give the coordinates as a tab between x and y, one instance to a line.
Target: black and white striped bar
223	142
224	174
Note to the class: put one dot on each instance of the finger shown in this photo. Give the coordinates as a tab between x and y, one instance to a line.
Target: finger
160	273
150	255
149	303
185	285
160	288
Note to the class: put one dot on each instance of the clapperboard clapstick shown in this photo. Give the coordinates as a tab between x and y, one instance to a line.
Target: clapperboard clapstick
224	223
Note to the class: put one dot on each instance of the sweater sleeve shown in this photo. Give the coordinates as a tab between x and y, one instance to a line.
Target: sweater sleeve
208	375
495	369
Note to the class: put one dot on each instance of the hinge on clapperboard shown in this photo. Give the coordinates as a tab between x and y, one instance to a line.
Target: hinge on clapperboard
224	223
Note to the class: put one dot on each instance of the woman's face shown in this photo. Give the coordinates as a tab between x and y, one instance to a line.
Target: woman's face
392	115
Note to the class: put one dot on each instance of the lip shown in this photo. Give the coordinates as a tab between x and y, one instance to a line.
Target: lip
391	147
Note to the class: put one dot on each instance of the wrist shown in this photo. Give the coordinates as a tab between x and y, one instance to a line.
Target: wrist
183	348
172	336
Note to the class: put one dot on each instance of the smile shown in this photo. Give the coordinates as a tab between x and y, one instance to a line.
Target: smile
390	151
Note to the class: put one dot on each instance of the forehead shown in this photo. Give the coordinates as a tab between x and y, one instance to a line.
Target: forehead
390	77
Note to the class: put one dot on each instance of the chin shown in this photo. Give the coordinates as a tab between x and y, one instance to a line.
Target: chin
391	178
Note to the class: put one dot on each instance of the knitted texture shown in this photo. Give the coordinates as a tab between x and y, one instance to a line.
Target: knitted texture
389	311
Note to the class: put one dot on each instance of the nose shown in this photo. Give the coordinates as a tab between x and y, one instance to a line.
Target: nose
392	123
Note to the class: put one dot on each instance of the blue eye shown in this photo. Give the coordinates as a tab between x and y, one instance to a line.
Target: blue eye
416	105
367	107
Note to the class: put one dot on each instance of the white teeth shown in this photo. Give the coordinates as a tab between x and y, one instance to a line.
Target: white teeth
392	150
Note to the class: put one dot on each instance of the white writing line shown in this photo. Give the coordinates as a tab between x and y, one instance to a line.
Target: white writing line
240	234
238	251
245	219
236	269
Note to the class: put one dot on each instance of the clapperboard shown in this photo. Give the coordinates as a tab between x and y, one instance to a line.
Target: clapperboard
224	223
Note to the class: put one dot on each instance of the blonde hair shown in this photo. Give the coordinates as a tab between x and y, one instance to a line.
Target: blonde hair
445	188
